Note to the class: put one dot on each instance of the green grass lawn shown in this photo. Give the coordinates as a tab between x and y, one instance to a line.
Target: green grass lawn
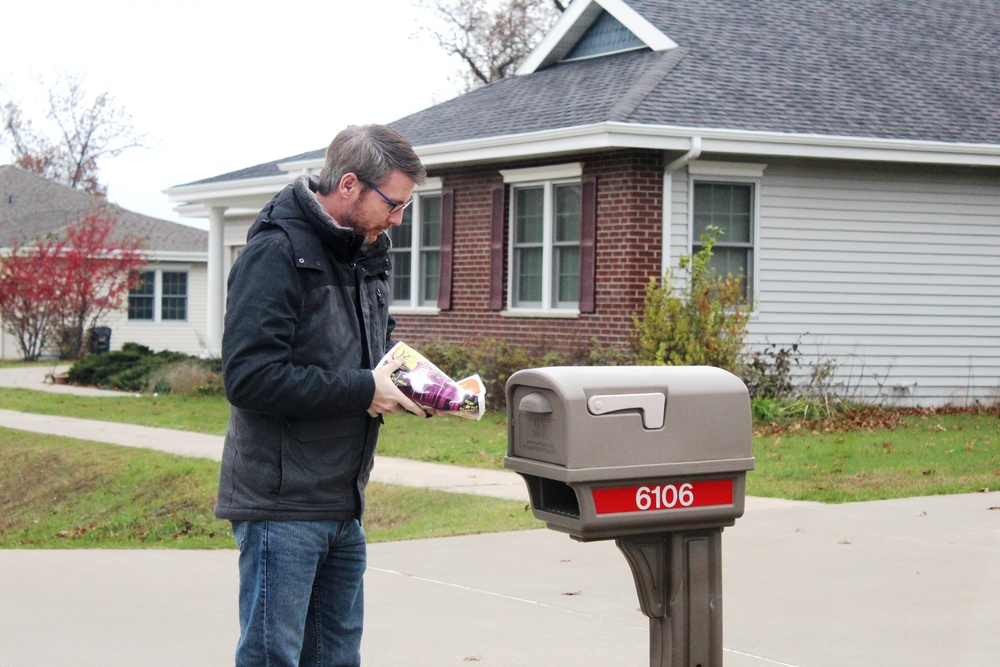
64	493
202	414
930	454
59	492
443	439
913	454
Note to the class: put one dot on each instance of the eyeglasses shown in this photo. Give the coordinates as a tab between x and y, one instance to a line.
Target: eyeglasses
394	206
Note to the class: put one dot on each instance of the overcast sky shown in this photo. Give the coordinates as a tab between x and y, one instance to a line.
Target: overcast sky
219	85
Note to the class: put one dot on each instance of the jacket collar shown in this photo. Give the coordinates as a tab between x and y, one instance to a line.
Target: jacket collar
296	209
305	188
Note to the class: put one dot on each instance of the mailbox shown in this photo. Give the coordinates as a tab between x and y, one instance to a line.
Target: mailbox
654	457
625	450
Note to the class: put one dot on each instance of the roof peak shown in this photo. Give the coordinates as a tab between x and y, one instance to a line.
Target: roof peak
574	26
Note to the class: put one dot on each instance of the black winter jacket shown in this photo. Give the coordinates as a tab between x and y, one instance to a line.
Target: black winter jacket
307	317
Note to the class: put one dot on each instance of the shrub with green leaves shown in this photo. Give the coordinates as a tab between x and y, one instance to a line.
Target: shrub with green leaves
701	324
137	368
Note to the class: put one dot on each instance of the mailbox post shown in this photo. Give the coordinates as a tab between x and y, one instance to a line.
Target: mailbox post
653	457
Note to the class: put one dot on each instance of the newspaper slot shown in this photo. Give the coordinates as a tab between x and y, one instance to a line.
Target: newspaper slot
427	385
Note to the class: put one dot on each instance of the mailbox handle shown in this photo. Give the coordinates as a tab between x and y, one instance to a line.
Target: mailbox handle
652	406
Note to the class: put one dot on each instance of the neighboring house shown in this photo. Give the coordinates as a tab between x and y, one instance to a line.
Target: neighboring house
850	150
167	312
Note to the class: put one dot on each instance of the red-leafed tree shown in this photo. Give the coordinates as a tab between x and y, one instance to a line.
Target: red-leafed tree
29	296
94	273
57	290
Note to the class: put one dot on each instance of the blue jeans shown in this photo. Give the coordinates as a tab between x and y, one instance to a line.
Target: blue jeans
301	593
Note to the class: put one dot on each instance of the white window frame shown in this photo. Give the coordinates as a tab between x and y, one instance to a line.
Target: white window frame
547	177
158	296
736	173
412	306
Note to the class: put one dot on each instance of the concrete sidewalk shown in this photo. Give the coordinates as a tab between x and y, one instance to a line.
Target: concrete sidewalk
912	582
37	377
499	484
904	583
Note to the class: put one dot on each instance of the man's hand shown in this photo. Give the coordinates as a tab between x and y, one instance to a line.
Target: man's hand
388	398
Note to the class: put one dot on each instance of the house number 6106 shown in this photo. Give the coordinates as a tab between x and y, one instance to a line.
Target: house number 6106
664	497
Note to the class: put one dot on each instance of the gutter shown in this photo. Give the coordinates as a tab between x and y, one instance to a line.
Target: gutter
615	134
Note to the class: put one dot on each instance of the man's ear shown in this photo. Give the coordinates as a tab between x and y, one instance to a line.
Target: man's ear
349	184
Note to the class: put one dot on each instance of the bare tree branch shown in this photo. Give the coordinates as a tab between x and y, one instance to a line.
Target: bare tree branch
491	43
85	131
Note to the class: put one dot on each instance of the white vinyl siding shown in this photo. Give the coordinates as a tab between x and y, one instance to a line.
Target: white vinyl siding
679	234
890	272
186	336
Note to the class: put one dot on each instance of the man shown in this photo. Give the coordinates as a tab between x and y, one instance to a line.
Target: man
307	319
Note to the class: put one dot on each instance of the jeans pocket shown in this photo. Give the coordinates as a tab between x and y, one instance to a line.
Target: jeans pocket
239	532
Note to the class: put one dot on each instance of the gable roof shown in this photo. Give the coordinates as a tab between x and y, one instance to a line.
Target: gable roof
32	206
876	79
921	70
580	18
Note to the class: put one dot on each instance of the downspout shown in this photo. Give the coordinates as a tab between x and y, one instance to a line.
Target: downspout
668	183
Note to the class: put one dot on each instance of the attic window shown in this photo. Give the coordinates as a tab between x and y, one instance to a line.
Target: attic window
605	35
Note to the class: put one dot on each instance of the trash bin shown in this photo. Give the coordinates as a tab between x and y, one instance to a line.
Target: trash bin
100	340
654	458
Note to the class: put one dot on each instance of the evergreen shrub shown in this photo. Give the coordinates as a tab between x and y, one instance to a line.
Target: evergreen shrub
137	368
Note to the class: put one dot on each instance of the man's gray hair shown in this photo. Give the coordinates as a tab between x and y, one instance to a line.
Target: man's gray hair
371	152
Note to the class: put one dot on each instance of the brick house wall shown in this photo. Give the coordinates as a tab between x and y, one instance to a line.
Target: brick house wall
628	249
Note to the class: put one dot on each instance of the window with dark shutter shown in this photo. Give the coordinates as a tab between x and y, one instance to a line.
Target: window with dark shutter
421	251
545	253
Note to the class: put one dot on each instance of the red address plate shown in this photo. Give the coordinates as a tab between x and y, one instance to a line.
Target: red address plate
661	497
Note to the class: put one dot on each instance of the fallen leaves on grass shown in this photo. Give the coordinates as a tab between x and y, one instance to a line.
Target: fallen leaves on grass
868	419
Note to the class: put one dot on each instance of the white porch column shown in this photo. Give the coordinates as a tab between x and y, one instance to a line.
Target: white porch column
216	283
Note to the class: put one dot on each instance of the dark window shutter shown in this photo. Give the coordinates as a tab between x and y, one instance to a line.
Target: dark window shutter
447	248
588	243
496	246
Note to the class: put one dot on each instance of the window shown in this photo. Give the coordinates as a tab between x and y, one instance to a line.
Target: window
142	298
729	207
160	296
417	251
724	197
546	246
546	216
173	303
605	35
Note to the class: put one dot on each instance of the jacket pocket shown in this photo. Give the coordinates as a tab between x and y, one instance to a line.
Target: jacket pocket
320	459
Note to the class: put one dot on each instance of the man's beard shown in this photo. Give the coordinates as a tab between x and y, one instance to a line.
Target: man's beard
351	220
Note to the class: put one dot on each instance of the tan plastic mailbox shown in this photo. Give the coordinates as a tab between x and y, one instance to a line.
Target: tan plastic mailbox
653	457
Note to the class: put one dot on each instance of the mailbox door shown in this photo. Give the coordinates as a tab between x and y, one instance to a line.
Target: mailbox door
537	425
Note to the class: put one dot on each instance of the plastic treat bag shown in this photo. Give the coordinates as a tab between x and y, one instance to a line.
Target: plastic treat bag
427	385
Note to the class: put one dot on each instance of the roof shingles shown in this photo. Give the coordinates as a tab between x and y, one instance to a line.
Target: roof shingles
32	207
921	70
